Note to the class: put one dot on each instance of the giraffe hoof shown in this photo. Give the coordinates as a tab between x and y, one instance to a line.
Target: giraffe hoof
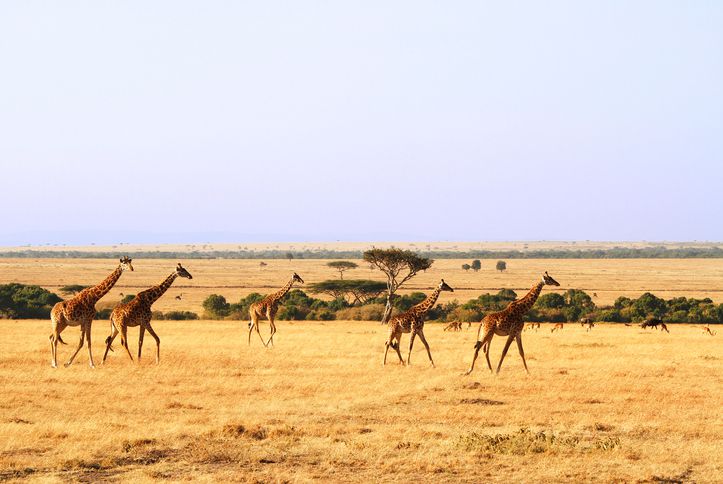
66	365
53	365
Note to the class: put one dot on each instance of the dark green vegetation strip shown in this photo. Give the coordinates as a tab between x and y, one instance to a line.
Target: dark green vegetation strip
614	253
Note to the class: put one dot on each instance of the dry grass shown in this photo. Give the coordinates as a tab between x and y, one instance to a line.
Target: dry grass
236	278
614	404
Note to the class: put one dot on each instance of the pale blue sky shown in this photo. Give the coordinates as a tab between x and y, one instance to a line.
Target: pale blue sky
311	121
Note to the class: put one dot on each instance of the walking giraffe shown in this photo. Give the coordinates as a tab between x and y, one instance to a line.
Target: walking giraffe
267	307
137	312
508	322
80	311
412	321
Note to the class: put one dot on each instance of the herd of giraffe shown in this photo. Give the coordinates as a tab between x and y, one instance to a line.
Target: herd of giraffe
80	311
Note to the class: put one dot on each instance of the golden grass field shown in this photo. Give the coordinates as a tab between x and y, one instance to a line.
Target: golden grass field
617	404
235	278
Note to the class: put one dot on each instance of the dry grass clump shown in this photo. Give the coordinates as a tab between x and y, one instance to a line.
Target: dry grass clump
524	441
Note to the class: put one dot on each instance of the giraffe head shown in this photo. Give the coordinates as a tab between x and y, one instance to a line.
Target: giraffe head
297	278
549	280
125	263
181	272
444	287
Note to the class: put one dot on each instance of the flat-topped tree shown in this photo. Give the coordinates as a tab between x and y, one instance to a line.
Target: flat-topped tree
352	290
341	266
399	266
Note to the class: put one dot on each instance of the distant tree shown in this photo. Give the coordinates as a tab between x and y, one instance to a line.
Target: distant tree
72	289
216	306
466	267
476	265
399	266
289	256
341	266
501	265
354	290
128	298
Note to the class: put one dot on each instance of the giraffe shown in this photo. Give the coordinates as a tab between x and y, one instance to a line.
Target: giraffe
508	322
80	311
412	321
137	312
267	307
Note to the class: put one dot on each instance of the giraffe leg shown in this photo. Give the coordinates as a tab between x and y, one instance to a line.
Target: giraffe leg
124	340
80	345
424	342
109	340
58	327
487	345
396	345
477	346
273	330
158	342
504	351
141	333
518	338
90	351
411	344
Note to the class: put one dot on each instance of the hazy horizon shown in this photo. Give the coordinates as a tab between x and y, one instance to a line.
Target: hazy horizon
172	122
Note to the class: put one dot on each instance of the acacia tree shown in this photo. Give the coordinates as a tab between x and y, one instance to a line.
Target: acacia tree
341	266
399	266
501	265
355	290
476	265
466	267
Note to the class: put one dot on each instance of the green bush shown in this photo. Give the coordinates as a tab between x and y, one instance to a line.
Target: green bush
551	300
216	307
368	312
103	313
178	315
26	301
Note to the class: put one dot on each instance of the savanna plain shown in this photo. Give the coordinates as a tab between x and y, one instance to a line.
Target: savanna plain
615	404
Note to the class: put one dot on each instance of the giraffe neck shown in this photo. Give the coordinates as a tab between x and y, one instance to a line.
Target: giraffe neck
274	298
96	292
151	295
427	304
524	304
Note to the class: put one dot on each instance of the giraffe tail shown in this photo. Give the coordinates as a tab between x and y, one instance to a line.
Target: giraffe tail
110	336
60	340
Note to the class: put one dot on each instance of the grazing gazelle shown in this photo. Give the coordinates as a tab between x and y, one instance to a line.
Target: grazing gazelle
508	322
557	327
453	326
